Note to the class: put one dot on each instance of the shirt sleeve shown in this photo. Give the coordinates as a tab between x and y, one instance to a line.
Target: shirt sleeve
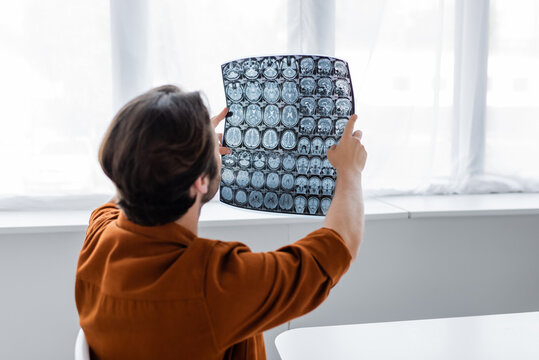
247	293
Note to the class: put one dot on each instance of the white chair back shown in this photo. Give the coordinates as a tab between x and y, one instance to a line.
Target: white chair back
290	345
82	351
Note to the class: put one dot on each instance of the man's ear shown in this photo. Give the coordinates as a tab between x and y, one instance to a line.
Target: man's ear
201	184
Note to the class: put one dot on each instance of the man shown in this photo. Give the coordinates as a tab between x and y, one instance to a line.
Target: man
148	287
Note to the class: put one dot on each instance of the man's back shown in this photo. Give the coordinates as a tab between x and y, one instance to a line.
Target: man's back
148	287
161	292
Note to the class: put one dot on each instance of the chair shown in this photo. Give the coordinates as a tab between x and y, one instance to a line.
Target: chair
82	351
290	345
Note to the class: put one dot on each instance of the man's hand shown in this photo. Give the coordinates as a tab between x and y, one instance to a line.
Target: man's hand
215	121
349	155
346	213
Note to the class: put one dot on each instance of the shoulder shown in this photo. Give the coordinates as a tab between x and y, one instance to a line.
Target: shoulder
104	214
100	219
219	248
106	210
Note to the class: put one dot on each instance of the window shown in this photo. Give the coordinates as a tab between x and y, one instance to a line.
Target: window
512	119
445	90
56	99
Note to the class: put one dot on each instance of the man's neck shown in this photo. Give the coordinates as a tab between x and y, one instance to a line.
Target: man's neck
189	220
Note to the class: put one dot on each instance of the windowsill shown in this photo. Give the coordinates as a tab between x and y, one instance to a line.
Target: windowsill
217	214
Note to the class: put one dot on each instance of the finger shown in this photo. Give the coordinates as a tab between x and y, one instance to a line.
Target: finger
349	128
220	137
224	150
219	117
358	134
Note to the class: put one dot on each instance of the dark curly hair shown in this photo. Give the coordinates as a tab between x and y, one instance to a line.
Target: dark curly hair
155	148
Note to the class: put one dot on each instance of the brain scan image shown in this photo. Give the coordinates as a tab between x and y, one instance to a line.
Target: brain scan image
306	125
290	92
304	145
300	203
259	160
339	126
342	88
324	126
314	185
328	185
324	67
307	86
257	179
271	115
307	106
317	146
271	200
344	107
329	142
302	184
325	106
325	87
271	92
302	165
227	193
306	66
315	166
270	68
274	161
233	136
232	71
234	91
289	67
313	203
270	139
256	198
289	162
272	181
252	138
244	160
227	175
290	116
253	115
253	91
230	160
285	112
288	140
324	205
251	68
242	178
287	182
327	169
340	69
286	201
241	197
237	114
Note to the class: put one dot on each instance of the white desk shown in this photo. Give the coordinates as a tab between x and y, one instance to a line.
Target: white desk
491	337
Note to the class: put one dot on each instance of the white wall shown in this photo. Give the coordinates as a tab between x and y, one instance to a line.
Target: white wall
407	269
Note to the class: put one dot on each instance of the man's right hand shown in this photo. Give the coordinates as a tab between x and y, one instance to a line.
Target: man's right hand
349	156
346	213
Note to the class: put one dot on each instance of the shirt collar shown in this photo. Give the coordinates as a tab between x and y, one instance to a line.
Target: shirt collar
171	232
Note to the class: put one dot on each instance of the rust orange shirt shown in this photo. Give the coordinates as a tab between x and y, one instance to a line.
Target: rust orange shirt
161	292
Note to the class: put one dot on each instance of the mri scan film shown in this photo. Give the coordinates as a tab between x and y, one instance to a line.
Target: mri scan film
285	112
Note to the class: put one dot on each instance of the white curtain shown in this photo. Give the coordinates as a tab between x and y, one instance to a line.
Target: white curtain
512	112
55	102
446	91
